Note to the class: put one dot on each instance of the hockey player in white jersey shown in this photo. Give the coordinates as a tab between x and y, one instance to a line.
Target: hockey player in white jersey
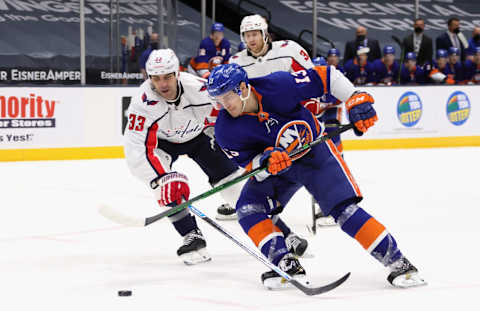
172	115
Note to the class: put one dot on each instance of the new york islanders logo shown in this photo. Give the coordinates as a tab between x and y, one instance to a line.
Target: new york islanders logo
294	135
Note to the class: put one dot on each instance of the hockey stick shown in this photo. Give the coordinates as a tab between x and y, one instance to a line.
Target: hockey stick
310	291
142	222
402	56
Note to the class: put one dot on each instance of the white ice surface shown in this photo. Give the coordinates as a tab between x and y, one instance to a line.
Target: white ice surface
58	253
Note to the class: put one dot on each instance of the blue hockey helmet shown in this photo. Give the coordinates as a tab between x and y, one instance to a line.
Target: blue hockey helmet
334	52
411	56
226	78
442	53
388	49
218	27
453	51
319	61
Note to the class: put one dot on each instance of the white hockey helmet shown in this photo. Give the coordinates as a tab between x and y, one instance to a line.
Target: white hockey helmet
161	62
254	22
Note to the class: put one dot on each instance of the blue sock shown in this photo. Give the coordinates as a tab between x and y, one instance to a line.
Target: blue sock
371	234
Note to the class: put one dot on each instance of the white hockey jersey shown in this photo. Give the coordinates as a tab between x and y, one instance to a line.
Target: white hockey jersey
151	118
281	56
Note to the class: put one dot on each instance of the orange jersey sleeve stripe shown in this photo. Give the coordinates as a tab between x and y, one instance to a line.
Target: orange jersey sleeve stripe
369	232
198	66
322	72
344	166
261	230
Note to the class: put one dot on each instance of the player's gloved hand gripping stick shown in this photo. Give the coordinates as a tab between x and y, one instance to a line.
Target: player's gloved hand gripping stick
142	222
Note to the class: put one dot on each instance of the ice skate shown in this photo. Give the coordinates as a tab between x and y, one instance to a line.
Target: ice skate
226	212
296	245
404	274
290	264
193	250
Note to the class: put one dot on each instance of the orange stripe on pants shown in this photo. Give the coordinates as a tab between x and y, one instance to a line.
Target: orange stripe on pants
369	232
261	230
340	160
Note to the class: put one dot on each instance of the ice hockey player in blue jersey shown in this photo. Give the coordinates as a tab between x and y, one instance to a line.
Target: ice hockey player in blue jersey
386	68
359	70
472	68
454	65
333	59
261	121
214	45
411	73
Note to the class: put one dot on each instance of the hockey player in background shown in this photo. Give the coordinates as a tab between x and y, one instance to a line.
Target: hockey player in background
472	68
386	69
359	70
214	45
455	69
263	57
333	59
172	115
261	121
410	72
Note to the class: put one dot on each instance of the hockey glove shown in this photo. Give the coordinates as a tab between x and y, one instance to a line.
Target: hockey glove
361	112
276	159
172	188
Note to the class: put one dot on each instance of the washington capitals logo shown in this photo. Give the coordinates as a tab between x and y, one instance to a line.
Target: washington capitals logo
148	102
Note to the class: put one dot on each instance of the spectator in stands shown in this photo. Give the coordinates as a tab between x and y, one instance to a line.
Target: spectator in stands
473	43
411	73
359	70
454	66
361	40
472	68
213	45
419	43
438	72
386	69
333	59
453	37
144	57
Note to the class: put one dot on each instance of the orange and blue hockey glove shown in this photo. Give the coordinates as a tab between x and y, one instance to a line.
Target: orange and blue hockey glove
361	112
276	159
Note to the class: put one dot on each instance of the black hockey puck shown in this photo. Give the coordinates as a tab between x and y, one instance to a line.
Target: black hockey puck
124	293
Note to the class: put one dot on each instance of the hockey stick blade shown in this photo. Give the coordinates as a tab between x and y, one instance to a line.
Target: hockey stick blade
310	291
119	218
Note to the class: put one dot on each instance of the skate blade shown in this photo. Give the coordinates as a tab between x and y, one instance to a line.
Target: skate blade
409	280
306	255
279	283
226	217
328	221
196	257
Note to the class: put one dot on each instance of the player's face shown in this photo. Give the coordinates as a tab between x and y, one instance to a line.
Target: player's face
411	64
165	85
231	102
453	59
442	61
389	58
217	37
332	60
254	40
476	58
